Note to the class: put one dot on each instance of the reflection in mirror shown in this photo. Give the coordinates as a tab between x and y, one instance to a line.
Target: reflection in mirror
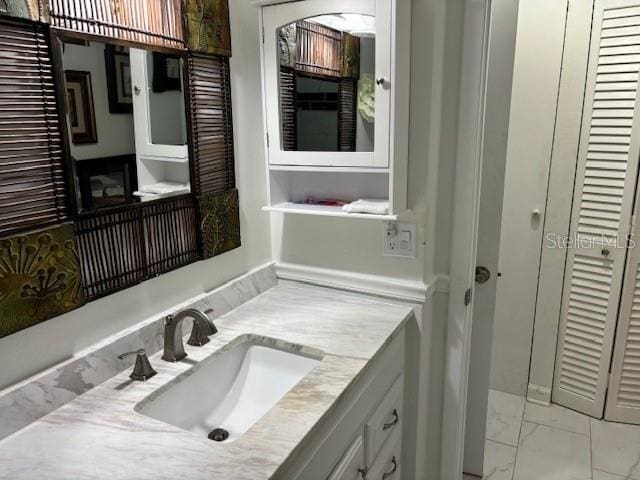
126	121
327	94
166	100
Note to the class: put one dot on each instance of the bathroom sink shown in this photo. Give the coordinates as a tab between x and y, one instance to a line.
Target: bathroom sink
228	392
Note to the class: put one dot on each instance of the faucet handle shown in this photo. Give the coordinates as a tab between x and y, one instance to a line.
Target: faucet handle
142	370
141	351
198	338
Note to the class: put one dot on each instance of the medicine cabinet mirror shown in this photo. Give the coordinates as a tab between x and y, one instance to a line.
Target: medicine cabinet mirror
327	85
327	82
126	123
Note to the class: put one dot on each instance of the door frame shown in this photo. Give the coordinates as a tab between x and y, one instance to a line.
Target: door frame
477	16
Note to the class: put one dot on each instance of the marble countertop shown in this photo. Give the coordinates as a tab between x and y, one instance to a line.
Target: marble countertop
99	435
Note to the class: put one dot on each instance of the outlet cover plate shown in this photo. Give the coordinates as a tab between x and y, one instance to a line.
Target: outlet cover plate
400	239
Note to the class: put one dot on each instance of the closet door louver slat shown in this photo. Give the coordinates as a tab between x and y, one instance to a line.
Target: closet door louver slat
602	207
623	398
32	182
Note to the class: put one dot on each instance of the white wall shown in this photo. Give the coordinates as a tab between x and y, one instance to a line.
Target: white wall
115	131
32	350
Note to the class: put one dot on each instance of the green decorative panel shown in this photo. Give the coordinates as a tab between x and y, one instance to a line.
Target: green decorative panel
208	28
350	56
29	9
220	215
39	277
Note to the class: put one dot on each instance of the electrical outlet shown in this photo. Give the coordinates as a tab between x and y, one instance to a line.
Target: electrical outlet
400	239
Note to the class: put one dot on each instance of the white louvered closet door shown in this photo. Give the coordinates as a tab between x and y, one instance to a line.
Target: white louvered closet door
623	398
602	208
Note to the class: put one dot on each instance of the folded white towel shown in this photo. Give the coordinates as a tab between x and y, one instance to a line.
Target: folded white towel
162	188
372	206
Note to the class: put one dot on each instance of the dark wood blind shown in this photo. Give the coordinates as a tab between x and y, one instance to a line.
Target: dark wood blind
288	110
211	123
32	183
122	247
347	115
150	22
319	49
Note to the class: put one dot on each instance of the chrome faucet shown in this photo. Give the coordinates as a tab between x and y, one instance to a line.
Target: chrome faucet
203	328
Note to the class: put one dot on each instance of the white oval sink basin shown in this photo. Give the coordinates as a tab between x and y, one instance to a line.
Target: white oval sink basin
233	388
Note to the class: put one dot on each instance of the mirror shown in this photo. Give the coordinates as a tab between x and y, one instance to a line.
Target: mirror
166	99
126	123
326	83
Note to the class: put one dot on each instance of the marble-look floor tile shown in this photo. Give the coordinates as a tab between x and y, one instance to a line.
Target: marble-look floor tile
616	448
557	417
504	417
551	454
499	460
598	475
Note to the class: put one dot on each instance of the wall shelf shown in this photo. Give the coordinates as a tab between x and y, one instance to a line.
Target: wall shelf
324	210
309	168
149	158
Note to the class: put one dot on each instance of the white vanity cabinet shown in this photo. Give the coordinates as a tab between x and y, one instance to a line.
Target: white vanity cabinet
351	465
362	440
335	79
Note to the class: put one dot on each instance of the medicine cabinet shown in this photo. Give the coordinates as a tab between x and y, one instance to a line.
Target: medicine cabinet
335	80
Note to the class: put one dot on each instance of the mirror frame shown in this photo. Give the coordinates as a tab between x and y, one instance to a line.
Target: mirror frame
123	245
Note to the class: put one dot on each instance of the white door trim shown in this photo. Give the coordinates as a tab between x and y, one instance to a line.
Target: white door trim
465	231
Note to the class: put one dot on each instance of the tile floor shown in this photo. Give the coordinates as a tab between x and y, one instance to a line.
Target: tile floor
526	441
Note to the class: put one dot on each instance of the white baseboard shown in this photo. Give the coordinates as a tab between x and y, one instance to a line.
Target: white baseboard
415	291
539	394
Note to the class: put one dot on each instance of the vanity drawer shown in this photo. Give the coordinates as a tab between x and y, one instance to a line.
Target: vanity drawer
350	466
387	464
385	421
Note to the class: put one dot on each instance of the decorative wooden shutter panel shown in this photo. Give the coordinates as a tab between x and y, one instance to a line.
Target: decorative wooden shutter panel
211	123
121	247
150	22
319	49
347	115
288	109
602	206
32	183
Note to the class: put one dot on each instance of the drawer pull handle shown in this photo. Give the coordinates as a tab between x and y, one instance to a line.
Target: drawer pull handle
387	426
390	473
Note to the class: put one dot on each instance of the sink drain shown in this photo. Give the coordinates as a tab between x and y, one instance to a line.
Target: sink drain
218	435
